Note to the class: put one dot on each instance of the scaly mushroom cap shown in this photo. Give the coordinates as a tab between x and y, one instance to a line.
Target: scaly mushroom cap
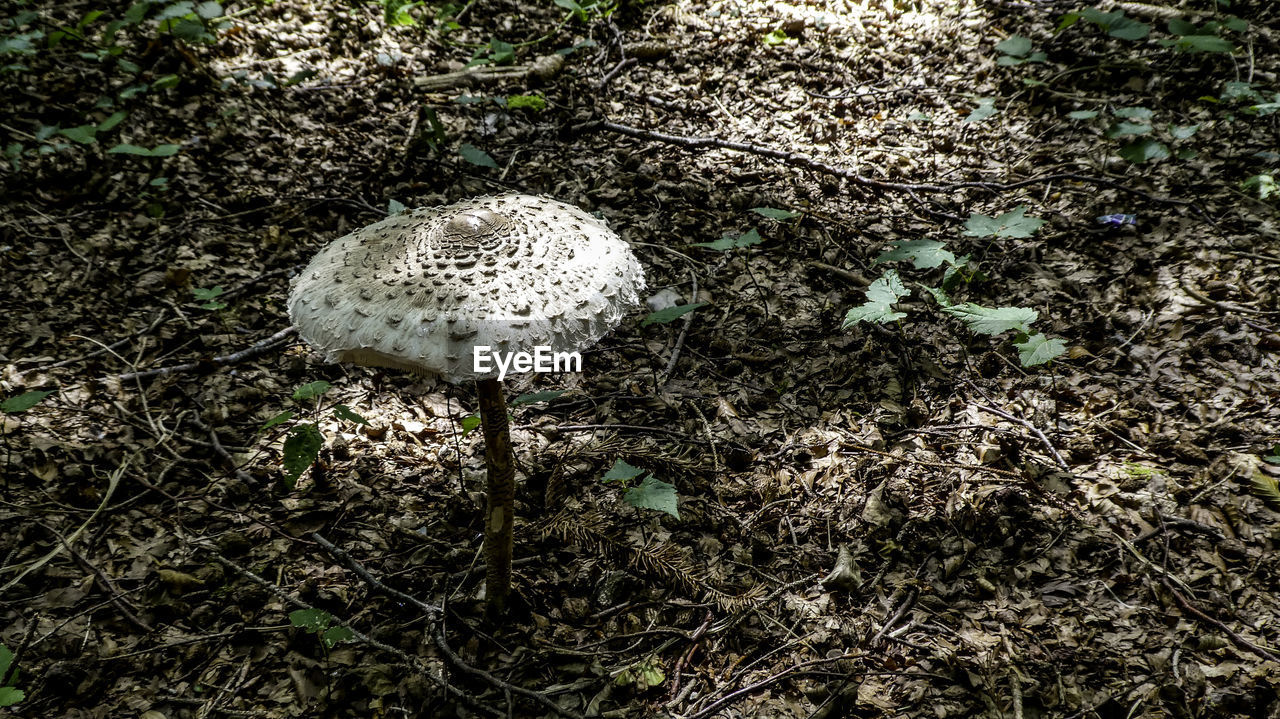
419	290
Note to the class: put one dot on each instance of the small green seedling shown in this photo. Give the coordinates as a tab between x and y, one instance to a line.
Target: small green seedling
650	493
318	621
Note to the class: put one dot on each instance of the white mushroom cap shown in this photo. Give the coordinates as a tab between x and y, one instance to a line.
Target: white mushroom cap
419	290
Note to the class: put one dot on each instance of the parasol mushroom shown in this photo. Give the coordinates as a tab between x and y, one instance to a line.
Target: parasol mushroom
439	290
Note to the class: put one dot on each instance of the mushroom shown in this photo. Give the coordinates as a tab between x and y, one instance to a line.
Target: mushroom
437	290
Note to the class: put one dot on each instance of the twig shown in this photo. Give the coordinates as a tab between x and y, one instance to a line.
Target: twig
112	482
1236	639
258	348
684	330
409	660
107	585
903	607
795	159
16	662
439	638
1224	306
631	427
622	65
373	581
539	697
237	289
222	452
106	348
1062	463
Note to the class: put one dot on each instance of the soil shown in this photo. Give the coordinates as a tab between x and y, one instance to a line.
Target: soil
886	519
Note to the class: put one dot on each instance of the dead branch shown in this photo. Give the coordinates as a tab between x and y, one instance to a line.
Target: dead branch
441	643
412	661
1057	458
254	350
543	68
806	162
1235	638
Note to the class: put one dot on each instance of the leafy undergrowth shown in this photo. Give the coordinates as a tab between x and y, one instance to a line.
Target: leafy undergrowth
941	444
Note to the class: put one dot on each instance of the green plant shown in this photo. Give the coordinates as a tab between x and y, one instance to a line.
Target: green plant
320	622
1016	50
9	693
1034	348
650	493
304	440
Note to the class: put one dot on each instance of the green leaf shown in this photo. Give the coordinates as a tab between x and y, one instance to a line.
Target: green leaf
203	294
536	397
312	620
336	635
476	156
501	53
281	418
775	37
24	401
729	242
662	317
993	321
111	121
1121	129
159	151
469	423
1264	184
209	10
1144	150
1274	457
1038	349
774	213
1014	224
880	297
10	696
986	108
176	10
1015	45
301	448
621	471
532	102
394	207
1082	114
1233	90
311	390
341	411
924	254
1267	488
6	661
126	149
654	494
84	134
1182	132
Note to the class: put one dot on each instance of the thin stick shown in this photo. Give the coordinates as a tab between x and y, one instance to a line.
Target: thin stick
1062	463
258	348
1236	639
684	330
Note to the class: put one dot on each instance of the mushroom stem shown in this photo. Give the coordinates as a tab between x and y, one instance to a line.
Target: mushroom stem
500	510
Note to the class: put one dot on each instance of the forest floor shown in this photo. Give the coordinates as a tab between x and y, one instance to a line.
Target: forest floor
887	519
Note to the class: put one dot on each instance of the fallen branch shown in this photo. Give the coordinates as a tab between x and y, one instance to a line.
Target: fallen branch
1236	639
1062	463
441	643
258	348
543	68
796	159
409	660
